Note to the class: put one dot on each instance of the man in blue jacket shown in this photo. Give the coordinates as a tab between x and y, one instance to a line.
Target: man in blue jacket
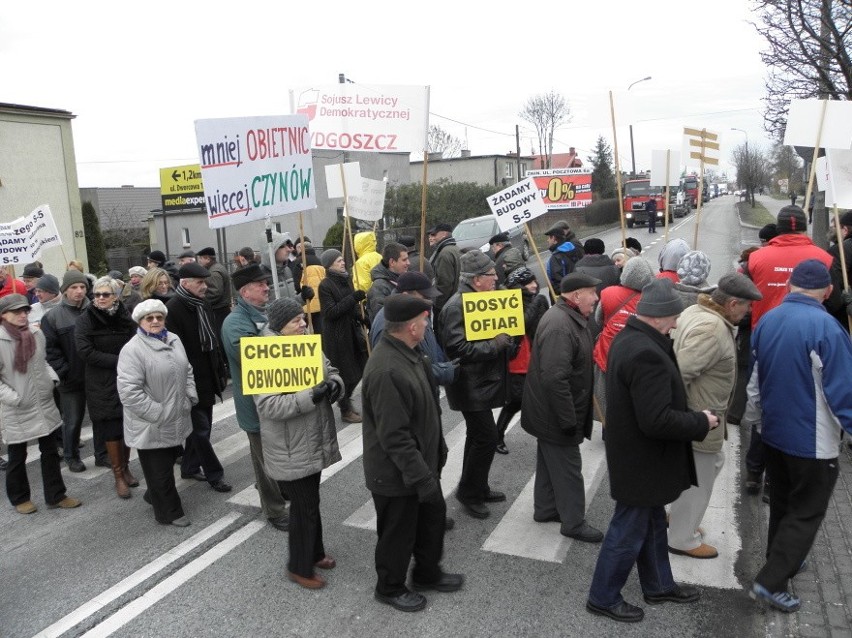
803	363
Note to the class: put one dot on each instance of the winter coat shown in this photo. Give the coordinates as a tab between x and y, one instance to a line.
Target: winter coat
600	267
414	264
219	287
446	262
100	338
384	284
157	388
27	409
648	425
563	259
706	354
368	258
284	270
299	437
208	367
404	447
834	304
557	397
689	295
483	375
505	261
244	320
342	339
58	326
311	276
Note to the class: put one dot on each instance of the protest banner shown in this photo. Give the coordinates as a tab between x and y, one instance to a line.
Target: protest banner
516	205
255	167
23	240
487	314
281	364
563	188
365	197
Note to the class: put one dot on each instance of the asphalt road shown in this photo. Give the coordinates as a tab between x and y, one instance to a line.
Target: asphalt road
108	567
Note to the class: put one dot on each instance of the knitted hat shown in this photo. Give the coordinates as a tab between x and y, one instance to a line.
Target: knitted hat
73	277
399	308
138	271
792	219
594	246
520	277
693	268
157	257
329	256
48	283
576	280
637	272
738	285
672	252
147	307
282	311
659	299
811	274
475	262
768	232
114	274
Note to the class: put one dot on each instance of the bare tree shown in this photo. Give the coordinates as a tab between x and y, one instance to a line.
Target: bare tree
124	226
786	164
753	169
440	141
808	55
546	112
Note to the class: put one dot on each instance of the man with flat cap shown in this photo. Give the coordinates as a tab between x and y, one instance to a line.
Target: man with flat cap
191	319
506	257
482	385
803	363
706	351
446	262
404	452
557	406
218	286
648	454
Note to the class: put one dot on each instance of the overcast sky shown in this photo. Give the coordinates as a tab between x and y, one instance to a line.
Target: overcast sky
137	75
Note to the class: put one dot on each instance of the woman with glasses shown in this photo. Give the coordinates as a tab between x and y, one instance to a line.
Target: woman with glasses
102	331
157	388
27	410
156	284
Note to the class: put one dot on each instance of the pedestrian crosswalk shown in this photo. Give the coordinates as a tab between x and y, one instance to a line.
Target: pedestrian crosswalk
514	533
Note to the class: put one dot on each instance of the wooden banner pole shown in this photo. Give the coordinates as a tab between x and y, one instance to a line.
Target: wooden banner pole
540	262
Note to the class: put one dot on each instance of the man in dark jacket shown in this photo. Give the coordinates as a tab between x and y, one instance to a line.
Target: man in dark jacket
648	454
506	257
410	244
191	319
557	407
565	252
404	451
834	304
59	327
446	262
482	385
596	263
385	274
218	286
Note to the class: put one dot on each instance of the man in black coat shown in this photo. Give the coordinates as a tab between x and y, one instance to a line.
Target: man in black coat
191	319
404	452
218	286
648	454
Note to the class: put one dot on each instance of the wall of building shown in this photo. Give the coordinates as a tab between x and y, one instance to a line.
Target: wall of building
492	170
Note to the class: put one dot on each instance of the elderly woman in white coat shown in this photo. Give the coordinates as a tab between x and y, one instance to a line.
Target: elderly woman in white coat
299	439
27	409
157	389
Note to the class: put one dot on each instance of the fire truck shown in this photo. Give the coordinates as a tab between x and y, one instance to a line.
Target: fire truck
637	192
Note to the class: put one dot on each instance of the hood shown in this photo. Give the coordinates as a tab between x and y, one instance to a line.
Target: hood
672	253
636	273
565	247
365	242
278	240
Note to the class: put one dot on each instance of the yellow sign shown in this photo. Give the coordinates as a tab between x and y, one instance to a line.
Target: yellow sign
181	187
280	364
488	314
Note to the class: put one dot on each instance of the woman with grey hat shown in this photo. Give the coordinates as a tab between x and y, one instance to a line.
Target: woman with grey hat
157	389
299	442
27	410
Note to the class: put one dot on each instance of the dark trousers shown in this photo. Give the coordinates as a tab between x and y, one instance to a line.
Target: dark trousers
798	499
559	487
636	536
17	483
110	429
479	446
406	527
198	451
72	405
505	417
305	533
756	454
652	222
158	468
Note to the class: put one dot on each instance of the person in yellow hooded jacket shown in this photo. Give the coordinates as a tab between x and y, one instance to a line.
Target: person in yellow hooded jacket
365	249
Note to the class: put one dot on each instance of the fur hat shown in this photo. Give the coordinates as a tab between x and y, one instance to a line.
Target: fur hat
693	268
147	307
282	311
659	299
329	256
475	262
594	246
72	277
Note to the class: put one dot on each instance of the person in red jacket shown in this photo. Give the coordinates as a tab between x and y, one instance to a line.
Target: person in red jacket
9	285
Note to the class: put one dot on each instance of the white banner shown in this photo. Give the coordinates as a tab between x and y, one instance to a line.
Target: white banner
803	124
517	204
358	117
367	202
23	240
658	168
254	167
336	174
839	191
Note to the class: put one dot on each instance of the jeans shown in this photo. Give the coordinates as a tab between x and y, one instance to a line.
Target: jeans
636	536
73	407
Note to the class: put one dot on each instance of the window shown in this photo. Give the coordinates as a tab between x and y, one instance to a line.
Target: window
510	171
523	170
184	232
278	227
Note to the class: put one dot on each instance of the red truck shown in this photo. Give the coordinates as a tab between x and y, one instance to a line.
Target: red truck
637	192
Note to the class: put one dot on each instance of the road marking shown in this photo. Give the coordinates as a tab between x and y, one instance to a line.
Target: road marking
136	578
167	586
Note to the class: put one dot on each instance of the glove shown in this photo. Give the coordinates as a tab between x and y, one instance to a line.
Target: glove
308	293
319	391
503	341
847	296
335	390
359	295
429	492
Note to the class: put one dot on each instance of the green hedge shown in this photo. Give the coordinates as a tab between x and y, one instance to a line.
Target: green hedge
603	211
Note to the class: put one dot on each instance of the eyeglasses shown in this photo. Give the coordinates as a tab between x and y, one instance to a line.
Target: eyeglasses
152	318
103	294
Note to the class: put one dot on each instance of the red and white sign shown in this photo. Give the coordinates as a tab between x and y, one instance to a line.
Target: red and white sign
359	117
517	204
563	188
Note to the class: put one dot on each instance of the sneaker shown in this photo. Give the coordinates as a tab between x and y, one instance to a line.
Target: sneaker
66	503
780	600
76	465
27	507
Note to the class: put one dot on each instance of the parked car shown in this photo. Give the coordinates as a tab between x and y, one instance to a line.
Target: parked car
475	233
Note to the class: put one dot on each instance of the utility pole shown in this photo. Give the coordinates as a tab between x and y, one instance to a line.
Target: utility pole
632	156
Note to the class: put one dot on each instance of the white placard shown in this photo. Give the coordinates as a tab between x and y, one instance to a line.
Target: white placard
254	167
23	240
658	168
334	176
803	124
821	172
839	191
361	117
367	201
516	205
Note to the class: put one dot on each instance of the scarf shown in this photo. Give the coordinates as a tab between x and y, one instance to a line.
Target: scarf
109	312
205	328
25	345
163	335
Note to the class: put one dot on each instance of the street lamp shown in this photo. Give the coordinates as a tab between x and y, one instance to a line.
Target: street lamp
744	132
632	156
